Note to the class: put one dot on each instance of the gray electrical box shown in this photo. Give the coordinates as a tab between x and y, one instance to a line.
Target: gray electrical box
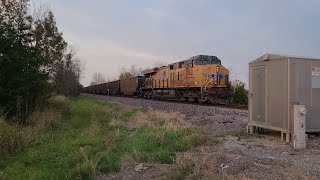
276	84
299	127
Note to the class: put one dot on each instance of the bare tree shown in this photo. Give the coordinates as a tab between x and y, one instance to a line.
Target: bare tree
41	11
160	64
233	76
79	67
69	74
98	78
125	74
133	71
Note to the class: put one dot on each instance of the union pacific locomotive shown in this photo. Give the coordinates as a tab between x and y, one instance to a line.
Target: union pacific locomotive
200	78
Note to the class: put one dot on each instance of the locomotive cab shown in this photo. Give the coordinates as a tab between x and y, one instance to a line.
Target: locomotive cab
210	72
212	78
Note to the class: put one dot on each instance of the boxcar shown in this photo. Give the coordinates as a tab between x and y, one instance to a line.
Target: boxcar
114	87
94	87
104	88
98	89
131	86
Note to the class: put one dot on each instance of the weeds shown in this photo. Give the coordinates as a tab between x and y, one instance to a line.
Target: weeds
93	137
89	166
14	136
184	166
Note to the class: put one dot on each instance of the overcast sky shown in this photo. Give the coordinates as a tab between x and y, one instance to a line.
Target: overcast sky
110	34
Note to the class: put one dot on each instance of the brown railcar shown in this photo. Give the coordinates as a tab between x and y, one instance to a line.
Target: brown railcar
104	88
98	88
114	87
93	91
131	86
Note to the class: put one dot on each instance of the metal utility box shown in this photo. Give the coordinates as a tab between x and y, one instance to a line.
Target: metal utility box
276	84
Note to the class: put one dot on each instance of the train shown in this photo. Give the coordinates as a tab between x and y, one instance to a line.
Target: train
200	78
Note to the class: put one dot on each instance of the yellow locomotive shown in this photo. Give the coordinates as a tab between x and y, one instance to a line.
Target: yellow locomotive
200	78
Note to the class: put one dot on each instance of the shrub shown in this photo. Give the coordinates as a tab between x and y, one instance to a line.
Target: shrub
240	95
14	136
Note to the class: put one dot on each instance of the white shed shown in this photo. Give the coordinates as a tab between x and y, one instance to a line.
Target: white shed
277	83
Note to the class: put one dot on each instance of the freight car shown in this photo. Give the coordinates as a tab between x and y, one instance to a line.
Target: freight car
104	88
114	87
200	78
126	87
132	86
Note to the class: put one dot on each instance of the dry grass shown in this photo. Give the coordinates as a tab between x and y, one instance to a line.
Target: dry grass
40	122
184	166
90	163
59	99
93	129
111	140
13	136
128	159
170	121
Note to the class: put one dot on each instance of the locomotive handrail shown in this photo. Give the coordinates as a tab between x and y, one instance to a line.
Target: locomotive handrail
204	85
205	88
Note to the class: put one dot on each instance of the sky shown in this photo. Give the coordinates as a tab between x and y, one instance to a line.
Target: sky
111	34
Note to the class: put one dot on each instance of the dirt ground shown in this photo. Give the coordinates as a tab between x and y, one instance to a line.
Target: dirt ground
237	156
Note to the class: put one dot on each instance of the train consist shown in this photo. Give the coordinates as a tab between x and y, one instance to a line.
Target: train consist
200	78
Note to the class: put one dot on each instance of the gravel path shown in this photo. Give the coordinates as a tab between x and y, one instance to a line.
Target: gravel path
213	120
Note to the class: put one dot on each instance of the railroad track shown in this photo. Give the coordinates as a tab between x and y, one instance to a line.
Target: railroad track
183	102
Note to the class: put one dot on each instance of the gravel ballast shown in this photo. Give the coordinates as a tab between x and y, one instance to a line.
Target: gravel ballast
213	120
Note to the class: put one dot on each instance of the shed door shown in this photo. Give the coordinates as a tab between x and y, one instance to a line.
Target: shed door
259	75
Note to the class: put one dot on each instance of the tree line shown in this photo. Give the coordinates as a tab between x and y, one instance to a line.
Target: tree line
35	59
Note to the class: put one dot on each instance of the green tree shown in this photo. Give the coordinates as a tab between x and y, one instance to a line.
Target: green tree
23	78
240	95
53	47
33	58
65	70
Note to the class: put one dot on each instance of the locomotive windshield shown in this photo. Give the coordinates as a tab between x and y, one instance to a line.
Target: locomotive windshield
208	61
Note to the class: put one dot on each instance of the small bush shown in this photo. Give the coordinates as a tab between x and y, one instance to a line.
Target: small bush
9	138
240	95
184	165
14	136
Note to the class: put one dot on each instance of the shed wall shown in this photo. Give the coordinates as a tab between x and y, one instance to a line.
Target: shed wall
289	80
258	76
304	90
277	93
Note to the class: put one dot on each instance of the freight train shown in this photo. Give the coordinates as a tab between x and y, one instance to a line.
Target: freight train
200	78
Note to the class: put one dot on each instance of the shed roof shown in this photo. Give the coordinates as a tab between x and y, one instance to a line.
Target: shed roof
271	57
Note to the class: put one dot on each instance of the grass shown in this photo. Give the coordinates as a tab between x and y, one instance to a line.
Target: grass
94	137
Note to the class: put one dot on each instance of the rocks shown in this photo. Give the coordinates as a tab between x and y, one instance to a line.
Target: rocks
213	120
140	168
